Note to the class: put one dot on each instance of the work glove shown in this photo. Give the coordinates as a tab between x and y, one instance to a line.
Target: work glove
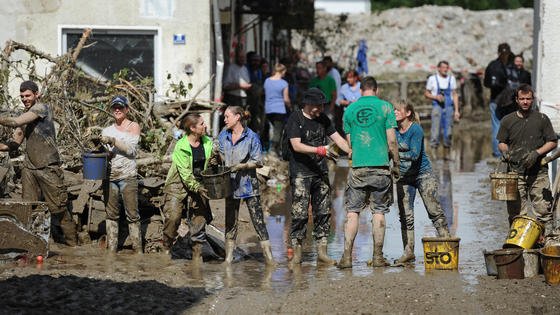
403	147
321	151
529	159
331	153
214	160
203	192
506	157
237	167
107	140
396	172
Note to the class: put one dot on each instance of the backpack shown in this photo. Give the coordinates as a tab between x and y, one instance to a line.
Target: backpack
285	145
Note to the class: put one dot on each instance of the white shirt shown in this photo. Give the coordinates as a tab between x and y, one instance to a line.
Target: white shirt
432	85
337	79
237	74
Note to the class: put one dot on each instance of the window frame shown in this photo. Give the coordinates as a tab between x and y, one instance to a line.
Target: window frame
156	31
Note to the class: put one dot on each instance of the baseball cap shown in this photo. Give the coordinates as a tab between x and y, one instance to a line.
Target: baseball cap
119	101
314	96
504	48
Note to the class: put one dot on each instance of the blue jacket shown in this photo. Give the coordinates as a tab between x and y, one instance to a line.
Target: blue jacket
247	149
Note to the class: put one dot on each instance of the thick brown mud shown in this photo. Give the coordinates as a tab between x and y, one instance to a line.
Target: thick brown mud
87	278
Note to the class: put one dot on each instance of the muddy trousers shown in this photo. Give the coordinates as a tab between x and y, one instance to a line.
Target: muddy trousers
48	184
127	190
198	215
427	186
255	212
314	190
442	125
534	199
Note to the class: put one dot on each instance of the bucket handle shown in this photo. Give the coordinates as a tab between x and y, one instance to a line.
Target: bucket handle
510	261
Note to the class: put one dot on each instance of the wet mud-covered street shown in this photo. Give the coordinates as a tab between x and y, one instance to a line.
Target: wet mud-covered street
90	280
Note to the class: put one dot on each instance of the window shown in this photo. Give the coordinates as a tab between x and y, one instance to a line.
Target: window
112	50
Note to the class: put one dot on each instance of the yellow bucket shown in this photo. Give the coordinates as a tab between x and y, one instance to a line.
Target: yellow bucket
524	233
441	253
504	186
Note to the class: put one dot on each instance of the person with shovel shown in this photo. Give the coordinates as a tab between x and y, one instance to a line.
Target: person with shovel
192	155
121	141
240	149
416	174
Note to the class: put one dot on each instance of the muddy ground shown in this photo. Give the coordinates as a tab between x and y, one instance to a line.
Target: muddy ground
88	280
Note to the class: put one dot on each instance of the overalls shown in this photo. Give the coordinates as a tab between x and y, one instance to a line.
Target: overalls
442	116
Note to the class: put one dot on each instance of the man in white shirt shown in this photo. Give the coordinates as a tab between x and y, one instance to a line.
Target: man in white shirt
236	82
441	89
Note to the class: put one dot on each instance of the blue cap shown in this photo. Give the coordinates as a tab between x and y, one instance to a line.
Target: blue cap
119	100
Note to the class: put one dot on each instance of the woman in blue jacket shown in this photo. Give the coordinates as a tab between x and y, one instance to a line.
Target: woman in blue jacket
416	174
240	148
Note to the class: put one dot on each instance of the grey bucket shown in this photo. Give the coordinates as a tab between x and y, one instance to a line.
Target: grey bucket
217	181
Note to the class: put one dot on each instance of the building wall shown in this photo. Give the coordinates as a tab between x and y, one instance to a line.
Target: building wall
38	22
343	6
546	51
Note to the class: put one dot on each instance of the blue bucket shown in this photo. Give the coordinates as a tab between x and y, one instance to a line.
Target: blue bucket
95	165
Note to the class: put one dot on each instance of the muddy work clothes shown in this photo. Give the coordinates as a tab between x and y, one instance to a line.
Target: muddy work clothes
247	149
534	199
181	190
442	112
427	186
40	138
42	178
127	189
198	213
48	183
314	190
255	212
369	185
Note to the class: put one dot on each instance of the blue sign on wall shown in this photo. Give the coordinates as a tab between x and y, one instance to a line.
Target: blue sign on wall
178	39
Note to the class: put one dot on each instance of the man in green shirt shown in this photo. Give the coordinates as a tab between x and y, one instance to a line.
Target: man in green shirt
369	124
326	84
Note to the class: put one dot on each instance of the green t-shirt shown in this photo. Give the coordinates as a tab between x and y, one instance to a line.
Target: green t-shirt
366	121
327	85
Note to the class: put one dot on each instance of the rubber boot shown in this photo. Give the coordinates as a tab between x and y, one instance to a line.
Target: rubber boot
68	227
230	246
135	237
167	244
267	253
442	230
408	243
296	245
322	256
447	153
197	253
112	228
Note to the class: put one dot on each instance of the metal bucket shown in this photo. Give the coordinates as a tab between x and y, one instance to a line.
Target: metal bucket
217	181
531	260
524	233
510	263
504	186
550	257
491	268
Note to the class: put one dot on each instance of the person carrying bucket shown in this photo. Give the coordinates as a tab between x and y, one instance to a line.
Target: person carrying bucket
192	155
240	149
416	174
121	140
525	137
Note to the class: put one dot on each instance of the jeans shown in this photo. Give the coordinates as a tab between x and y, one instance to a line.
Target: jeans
495	126
127	189
442	124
